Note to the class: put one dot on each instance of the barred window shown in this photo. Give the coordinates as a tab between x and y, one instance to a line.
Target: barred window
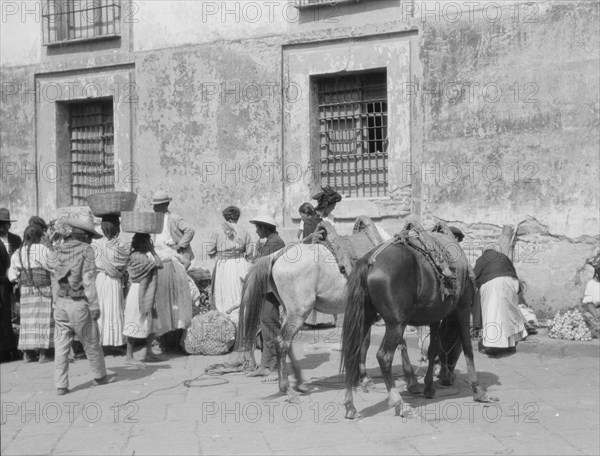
353	133
78	20
309	3
92	157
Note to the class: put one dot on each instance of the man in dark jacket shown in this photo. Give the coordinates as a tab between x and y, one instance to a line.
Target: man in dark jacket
10	244
266	228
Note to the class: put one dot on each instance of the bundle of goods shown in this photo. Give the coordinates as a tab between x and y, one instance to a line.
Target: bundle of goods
212	333
573	324
111	203
142	222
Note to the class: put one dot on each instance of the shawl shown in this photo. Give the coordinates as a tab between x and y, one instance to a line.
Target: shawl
110	255
142	270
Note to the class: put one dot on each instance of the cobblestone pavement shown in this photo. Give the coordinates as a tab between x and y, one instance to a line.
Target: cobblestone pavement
548	404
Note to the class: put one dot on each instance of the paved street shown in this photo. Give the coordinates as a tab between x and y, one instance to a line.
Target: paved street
548	404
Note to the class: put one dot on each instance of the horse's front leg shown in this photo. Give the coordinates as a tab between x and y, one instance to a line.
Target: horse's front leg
385	356
432	353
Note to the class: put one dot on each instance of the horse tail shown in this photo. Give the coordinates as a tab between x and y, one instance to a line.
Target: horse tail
357	298
253	294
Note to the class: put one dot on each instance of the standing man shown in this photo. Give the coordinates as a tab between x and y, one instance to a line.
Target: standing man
10	244
266	229
173	293
76	309
181	233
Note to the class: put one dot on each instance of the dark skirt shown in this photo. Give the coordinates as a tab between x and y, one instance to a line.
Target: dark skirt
8	341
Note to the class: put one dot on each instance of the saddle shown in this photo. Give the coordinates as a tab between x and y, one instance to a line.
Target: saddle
347	250
441	250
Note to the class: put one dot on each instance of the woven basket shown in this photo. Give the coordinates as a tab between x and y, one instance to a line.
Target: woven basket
142	222
111	202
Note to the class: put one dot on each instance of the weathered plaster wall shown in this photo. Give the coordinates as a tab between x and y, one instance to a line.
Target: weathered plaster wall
510	120
208	125
208	128
20	38
17	149
166	24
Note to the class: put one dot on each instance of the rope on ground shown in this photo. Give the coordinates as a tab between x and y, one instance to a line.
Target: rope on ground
187	383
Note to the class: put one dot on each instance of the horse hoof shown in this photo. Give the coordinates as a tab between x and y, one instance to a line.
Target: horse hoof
301	388
429	393
351	412
367	384
293	398
415	389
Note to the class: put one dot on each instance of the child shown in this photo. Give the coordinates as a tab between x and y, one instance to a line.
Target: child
140	319
309	221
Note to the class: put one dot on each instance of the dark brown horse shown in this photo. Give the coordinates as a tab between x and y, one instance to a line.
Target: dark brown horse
404	288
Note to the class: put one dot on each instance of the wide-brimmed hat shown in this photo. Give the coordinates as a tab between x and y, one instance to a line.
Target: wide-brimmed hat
265	220
457	233
85	223
5	215
161	197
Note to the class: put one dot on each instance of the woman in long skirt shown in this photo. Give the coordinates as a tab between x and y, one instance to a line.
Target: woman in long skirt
503	322
111	258
141	314
29	266
231	246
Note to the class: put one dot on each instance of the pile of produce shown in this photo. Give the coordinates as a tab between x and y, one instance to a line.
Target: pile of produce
570	325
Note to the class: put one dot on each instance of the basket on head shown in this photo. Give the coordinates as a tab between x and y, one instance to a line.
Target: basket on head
142	222
111	202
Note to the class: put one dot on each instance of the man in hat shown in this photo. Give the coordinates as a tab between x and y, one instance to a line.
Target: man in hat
179	231
266	229
76	301
10	243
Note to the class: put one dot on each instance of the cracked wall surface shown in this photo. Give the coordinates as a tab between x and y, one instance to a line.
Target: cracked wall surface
502	122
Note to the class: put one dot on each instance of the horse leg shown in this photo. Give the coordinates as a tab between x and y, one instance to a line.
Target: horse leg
479	393
385	355
365	380
432	352
290	328
412	384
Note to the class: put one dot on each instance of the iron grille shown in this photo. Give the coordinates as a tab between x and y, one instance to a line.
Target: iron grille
309	3
353	133
72	20
92	155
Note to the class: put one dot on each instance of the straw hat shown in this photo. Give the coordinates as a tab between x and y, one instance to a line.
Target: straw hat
161	197
265	220
85	223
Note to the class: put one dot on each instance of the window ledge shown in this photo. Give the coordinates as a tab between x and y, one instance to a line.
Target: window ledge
302	6
83	40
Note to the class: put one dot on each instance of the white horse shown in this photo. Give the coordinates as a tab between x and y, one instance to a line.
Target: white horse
301	277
